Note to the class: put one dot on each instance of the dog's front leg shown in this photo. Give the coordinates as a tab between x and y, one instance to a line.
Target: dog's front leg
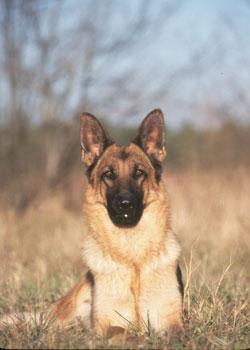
161	301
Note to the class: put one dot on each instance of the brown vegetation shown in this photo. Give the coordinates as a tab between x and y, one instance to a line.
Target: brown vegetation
38	160
41	260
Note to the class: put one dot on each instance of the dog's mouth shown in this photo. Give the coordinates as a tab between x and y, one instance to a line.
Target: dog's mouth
125	210
125	219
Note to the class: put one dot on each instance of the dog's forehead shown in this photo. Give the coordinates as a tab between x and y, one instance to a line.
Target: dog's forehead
125	154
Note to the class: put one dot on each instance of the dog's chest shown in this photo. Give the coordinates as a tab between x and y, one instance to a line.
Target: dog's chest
131	298
124	297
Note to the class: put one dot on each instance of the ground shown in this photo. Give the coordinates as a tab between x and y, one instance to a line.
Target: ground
41	259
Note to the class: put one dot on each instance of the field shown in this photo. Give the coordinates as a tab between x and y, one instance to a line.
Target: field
41	259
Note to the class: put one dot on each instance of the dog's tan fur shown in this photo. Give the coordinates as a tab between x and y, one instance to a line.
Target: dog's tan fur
134	269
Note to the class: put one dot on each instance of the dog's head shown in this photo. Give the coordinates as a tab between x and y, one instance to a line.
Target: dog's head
123	176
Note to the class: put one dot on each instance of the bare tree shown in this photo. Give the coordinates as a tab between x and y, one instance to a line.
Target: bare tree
53	63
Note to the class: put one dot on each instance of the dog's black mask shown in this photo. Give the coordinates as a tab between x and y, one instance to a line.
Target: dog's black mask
125	207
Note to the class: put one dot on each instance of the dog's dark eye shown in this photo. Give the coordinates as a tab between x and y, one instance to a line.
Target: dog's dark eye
139	173
109	175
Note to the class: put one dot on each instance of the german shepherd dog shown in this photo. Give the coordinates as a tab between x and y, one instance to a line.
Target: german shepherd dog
129	249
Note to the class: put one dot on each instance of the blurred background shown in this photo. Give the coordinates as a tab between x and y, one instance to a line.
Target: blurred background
119	60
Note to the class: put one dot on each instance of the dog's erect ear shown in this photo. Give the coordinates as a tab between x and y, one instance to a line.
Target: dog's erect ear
152	135
93	139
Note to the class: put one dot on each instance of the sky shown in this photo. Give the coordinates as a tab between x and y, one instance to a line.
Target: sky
193	64
218	31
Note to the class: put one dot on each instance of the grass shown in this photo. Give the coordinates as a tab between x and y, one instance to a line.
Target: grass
41	259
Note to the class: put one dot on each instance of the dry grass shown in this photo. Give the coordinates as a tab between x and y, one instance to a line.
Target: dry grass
41	259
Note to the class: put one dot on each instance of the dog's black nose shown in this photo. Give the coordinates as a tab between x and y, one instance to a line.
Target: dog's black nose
125	207
125	203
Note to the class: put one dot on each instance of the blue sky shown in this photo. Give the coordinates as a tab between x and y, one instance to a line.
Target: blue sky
190	64
218	32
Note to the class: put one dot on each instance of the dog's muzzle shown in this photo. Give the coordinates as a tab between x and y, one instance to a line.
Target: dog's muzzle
125	208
